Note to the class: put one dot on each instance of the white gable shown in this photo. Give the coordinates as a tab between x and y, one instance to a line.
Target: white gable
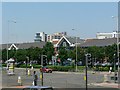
13	45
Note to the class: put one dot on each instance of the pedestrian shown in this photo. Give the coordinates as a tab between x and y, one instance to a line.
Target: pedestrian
35	78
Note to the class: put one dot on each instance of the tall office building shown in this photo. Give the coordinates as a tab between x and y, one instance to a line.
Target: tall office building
40	36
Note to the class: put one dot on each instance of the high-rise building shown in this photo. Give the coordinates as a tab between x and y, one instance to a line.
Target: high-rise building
40	36
54	38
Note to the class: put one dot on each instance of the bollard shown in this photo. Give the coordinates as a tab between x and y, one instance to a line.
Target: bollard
28	72
109	71
106	78
32	69
19	81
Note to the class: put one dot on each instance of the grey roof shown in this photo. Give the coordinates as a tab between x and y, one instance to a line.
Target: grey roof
99	42
72	40
25	45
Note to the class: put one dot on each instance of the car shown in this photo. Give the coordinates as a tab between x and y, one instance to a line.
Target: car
106	64
46	70
17	64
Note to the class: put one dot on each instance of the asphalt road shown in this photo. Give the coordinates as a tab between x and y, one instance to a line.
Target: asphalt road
55	79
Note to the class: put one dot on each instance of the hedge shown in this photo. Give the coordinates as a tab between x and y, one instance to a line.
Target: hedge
106	68
4	65
66	68
28	66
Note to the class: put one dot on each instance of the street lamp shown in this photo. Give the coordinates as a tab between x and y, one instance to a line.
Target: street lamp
76	53
8	34
115	68
117	39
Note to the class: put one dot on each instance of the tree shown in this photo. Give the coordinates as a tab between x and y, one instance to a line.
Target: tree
4	55
110	51
34	54
48	50
62	54
97	52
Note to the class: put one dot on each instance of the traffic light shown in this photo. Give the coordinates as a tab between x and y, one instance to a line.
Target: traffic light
44	61
89	60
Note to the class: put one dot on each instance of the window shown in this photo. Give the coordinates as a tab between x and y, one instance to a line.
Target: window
64	44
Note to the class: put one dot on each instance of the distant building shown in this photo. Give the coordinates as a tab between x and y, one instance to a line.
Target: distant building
99	42
68	42
54	38
106	35
17	46
40	36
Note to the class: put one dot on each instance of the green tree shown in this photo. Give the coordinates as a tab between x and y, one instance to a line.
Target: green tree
48	50
110	51
21	55
62	54
4	55
97	52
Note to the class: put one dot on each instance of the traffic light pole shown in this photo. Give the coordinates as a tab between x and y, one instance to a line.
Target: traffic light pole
26	65
42	70
86	71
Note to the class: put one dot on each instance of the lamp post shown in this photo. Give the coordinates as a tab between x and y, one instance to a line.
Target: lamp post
117	40
114	68
8	35
76	53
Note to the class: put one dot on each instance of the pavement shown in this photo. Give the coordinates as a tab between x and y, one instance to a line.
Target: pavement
109	85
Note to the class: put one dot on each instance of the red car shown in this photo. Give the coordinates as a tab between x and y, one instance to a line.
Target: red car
46	70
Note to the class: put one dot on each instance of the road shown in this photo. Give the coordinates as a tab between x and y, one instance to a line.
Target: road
55	79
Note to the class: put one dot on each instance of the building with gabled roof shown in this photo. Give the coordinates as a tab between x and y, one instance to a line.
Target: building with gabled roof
67	41
23	45
99	42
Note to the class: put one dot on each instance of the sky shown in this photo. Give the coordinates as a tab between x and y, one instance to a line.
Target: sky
21	20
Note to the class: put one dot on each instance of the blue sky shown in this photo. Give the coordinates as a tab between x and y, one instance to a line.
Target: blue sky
86	18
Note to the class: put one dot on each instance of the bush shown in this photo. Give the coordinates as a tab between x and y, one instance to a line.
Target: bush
4	65
28	66
65	68
106	68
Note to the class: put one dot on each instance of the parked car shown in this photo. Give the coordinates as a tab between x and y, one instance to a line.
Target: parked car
17	64
106	64
46	70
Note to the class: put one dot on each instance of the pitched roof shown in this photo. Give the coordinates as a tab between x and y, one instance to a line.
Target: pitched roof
70	40
25	45
99	42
